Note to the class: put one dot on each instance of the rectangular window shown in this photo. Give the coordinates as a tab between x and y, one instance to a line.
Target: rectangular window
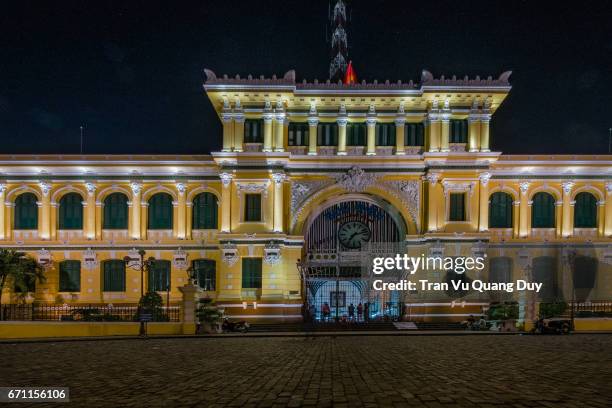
356	134
251	273
253	131
327	134
457	207
458	130
414	134
114	276
159	276
252	207
385	134
70	276
298	134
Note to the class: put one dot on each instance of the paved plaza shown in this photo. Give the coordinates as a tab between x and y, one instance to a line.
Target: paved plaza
431	371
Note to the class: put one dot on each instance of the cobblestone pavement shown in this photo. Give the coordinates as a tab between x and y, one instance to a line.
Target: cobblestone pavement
431	371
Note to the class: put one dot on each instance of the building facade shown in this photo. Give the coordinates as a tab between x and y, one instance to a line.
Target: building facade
313	179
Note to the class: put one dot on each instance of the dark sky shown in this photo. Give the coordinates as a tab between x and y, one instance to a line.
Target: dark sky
132	71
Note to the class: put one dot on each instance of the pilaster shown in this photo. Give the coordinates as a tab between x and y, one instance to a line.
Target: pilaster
445	128
267	118
400	126
433	121
136	210
608	210
483	224
89	225
313	123
567	207
44	227
524	210
226	191
279	143
228	127
2	211
278	209
181	211
371	133
238	130
434	196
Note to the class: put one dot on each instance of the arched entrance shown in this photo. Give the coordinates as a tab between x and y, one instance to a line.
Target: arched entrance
336	262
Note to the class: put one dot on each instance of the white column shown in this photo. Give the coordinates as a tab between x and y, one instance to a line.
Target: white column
400	123
313	123
608	211
44	228
342	121
226	181
567	228
484	201
2	211
484	133
279	179
279	143
90	211
136	213
371	132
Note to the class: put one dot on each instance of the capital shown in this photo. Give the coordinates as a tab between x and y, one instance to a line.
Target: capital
313	121
226	178
2	188
567	187
136	187
91	188
279	177
44	187
524	186
432	178
484	178
400	121
180	187
609	188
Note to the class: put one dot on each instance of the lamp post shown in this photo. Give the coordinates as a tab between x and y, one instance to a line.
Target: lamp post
142	265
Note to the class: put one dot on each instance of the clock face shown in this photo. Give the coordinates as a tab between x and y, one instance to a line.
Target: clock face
353	234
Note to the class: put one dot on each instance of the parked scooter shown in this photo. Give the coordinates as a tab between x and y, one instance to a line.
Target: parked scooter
552	326
229	326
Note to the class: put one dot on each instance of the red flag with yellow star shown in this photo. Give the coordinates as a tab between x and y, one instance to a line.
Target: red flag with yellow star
350	77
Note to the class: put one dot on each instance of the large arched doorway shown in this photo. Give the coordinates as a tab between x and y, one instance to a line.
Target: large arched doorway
336	260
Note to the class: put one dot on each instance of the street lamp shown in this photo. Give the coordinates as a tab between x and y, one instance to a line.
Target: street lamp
143	265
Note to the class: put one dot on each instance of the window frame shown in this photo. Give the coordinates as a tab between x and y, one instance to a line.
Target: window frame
27	221
114	263
582	219
458	131
210	269
507	212
70	213
159	222
385	134
253	131
453	212
538	216
298	131
250	262
160	269
250	214
112	203
64	273
200	219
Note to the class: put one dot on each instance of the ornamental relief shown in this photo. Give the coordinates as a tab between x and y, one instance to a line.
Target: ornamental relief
356	180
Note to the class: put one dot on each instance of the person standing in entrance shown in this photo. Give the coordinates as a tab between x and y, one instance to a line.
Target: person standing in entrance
359	312
366	311
325	310
351	310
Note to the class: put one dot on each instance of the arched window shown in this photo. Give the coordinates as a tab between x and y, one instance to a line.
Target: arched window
543	211
545	272
205	210
70	276
500	210
71	212
113	279
159	276
205	271
115	211
26	212
585	211
160	211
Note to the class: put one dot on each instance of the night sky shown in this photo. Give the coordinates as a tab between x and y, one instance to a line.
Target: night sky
131	72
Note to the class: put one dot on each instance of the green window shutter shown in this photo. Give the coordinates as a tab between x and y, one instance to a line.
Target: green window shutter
251	273
327	134
500	210
458	130
253	131
70	276
252	210
71	212
206	272
26	212
160	211
205	210
457	207
385	134
298	134
115	211
543	211
114	276
159	276
356	134
585	211
414	134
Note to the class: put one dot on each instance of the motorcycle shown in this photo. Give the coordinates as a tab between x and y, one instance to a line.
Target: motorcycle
552	326
232	327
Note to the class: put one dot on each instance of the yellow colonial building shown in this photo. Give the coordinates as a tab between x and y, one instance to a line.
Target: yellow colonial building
313	180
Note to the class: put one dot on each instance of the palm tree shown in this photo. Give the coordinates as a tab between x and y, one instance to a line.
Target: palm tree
20	269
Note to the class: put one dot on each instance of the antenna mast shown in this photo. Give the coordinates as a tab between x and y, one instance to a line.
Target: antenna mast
339	45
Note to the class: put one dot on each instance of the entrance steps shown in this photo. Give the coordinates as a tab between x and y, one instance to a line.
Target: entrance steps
321	327
439	326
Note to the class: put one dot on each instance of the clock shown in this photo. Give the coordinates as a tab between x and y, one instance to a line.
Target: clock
353	234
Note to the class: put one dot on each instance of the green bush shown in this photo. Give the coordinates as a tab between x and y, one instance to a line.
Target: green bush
556	309
503	311
207	312
152	303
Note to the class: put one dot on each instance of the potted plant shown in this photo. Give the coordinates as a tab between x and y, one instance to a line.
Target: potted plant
209	316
